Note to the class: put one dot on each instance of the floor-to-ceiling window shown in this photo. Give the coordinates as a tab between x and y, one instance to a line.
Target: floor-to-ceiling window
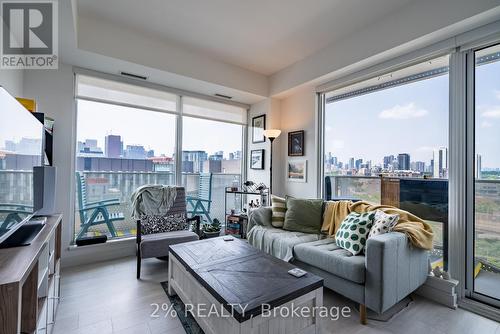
125	139
130	135
212	146
386	142
486	231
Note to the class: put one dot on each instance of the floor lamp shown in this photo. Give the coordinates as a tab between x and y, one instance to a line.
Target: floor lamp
272	134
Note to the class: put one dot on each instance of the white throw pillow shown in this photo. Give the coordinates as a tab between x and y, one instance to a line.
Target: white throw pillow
383	223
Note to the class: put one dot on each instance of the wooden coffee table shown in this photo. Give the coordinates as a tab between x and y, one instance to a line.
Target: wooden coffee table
232	287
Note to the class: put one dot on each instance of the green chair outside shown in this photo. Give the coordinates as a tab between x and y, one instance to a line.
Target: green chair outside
95	213
200	205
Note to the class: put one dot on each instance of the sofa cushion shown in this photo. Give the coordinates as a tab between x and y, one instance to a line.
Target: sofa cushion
353	231
156	245
278	205
303	215
277	241
326	255
383	223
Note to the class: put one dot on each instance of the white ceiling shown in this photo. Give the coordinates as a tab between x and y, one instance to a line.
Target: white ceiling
263	36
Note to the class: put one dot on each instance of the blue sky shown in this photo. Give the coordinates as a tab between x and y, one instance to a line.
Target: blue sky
154	130
412	119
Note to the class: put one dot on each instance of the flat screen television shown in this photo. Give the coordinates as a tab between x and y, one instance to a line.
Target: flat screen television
21	147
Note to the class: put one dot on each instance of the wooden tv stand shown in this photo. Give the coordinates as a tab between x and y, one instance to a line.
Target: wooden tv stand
30	282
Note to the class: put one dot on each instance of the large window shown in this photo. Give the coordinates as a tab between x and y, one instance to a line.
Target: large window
386	142
487	174
127	137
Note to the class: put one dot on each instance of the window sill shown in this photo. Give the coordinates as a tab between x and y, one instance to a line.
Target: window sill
109	243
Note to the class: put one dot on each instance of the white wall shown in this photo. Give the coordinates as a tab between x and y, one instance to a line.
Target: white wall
415	26
271	108
298	112
12	81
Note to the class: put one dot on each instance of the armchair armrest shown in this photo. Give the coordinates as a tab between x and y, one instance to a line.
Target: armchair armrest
261	216
197	221
394	269
105	202
194	198
97	206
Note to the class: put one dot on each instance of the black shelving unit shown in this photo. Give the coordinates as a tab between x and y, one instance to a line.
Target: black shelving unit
240	218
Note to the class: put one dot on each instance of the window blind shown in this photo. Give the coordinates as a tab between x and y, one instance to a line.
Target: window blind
213	110
92	88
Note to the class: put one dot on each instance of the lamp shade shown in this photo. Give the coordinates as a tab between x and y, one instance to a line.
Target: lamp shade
272	133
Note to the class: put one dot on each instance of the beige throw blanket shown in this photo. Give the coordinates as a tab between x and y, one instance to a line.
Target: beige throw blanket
418	232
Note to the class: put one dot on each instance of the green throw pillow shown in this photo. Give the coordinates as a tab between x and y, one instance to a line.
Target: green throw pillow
303	215
278	206
353	231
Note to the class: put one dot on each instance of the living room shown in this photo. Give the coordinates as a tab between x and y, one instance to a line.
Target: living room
254	167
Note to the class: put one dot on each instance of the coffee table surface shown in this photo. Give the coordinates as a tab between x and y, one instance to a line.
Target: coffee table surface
241	277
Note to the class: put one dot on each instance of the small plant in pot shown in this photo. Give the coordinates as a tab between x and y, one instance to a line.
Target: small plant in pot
211	230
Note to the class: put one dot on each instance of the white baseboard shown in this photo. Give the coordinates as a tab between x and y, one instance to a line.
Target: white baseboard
439	290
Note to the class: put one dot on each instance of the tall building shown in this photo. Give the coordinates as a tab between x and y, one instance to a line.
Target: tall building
403	161
113	146
388	160
479	166
351	163
196	158
440	160
358	163
135	152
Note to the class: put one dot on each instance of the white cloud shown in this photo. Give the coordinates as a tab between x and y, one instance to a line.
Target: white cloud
486	124
407	111
497	94
493	112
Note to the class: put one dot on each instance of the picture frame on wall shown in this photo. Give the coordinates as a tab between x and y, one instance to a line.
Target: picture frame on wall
258	127
297	171
296	143
257	159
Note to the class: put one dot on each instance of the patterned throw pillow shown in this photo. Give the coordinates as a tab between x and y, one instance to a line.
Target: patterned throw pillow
160	224
278	205
383	223
353	231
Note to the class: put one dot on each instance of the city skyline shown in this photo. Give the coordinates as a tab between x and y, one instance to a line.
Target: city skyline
413	119
154	130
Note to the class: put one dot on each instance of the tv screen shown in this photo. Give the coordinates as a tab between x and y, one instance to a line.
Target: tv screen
21	140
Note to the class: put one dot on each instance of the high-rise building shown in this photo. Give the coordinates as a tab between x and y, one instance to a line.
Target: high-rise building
351	163
196	158
113	146
440	160
358	163
135	152
388	160
403	161
479	166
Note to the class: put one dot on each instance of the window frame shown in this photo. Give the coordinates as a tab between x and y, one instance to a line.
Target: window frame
461	148
178	124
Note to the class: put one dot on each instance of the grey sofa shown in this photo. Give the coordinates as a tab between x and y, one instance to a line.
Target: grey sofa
389	270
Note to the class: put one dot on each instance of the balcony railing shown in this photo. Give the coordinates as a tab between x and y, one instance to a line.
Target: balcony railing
120	186
428	199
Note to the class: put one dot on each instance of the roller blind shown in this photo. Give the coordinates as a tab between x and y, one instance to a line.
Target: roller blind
213	110
88	87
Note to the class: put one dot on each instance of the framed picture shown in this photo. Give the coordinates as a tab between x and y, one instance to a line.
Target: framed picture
257	159
297	170
296	143
258	127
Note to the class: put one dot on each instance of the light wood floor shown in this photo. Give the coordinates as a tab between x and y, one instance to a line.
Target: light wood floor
106	298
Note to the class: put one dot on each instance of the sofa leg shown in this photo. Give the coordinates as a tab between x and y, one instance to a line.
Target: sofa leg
362	314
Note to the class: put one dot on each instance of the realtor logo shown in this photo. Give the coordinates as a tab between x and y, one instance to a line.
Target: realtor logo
29	35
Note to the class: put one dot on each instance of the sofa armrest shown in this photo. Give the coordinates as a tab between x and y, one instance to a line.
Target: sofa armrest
394	269
261	216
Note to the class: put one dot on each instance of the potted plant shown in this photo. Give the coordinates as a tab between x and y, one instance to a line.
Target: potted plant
211	230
